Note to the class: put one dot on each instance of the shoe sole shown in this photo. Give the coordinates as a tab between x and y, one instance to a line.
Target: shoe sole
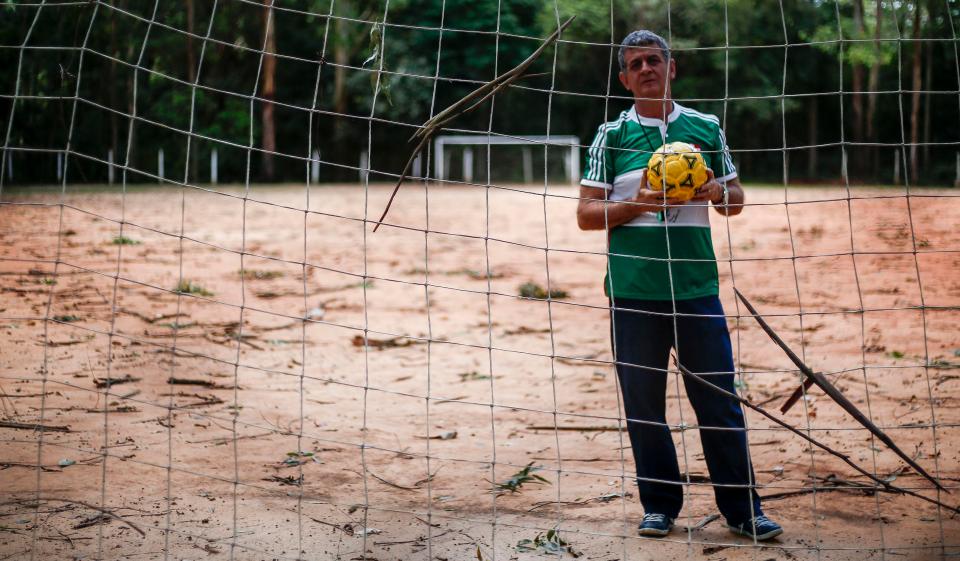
760	538
653	532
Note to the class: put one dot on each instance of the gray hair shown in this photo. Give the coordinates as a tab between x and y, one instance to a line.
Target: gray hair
641	38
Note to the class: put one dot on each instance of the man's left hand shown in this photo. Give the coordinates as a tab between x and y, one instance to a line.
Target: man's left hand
710	191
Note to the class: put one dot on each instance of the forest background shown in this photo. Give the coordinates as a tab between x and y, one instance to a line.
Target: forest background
796	82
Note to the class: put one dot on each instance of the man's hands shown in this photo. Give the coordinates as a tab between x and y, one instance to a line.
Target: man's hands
596	212
647	196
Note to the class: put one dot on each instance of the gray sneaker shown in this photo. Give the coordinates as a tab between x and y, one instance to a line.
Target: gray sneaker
759	528
656	525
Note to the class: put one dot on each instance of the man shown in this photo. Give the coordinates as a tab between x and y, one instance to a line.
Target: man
663	287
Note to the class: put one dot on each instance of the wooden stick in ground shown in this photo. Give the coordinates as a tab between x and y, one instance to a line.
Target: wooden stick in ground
104	511
821	381
886	484
32	426
466	104
795	396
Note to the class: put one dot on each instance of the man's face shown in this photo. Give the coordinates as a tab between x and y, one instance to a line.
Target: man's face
647	74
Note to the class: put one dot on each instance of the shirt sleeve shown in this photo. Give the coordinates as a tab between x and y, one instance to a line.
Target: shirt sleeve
598	171
724	169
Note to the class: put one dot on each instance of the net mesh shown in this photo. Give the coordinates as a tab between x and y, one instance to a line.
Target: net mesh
234	362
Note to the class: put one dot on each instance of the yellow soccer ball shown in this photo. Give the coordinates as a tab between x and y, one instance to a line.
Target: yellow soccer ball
677	167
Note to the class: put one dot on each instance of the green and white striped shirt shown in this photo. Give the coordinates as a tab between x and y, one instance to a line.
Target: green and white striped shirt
648	251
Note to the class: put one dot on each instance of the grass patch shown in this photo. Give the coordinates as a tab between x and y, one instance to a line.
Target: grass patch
190	287
175	325
124	240
533	290
66	318
255	274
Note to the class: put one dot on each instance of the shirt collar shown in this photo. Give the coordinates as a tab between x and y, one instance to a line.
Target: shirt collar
650	122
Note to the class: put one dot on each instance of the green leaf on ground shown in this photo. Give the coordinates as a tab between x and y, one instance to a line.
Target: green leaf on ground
524	476
550	543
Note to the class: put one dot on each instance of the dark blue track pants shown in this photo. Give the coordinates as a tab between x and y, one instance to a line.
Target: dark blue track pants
643	332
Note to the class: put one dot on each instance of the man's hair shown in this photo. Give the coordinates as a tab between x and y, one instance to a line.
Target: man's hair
641	38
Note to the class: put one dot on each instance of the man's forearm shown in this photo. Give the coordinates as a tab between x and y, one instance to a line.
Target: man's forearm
600	215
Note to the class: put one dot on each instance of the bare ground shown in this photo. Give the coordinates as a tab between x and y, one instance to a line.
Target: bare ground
373	430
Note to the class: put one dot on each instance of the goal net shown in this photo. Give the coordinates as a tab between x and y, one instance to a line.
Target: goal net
303	279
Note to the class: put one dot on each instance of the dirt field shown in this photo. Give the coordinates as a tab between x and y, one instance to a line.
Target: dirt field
216	423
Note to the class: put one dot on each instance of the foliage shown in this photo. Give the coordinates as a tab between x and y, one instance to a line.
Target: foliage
66	318
550	544
771	70
524	476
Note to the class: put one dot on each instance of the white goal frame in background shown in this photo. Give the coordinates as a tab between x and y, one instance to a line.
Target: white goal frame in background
441	162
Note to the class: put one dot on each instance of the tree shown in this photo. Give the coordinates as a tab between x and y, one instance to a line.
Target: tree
268	91
916	68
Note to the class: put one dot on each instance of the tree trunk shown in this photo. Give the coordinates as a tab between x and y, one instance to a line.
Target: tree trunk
916	86
131	108
928	80
192	77
112	91
191	56
341	57
873	84
269	141
812	138
857	77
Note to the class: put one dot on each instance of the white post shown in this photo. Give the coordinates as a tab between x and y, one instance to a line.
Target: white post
575	163
445	166
438	159
843	165
364	166
527	165
896	166
315	167
418	166
10	166
468	164
109	166
160	166
59	166
214	163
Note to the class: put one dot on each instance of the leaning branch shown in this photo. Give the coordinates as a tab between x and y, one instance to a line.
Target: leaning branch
886	484
466	104
821	381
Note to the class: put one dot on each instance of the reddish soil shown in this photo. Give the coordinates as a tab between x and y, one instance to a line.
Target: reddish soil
460	382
